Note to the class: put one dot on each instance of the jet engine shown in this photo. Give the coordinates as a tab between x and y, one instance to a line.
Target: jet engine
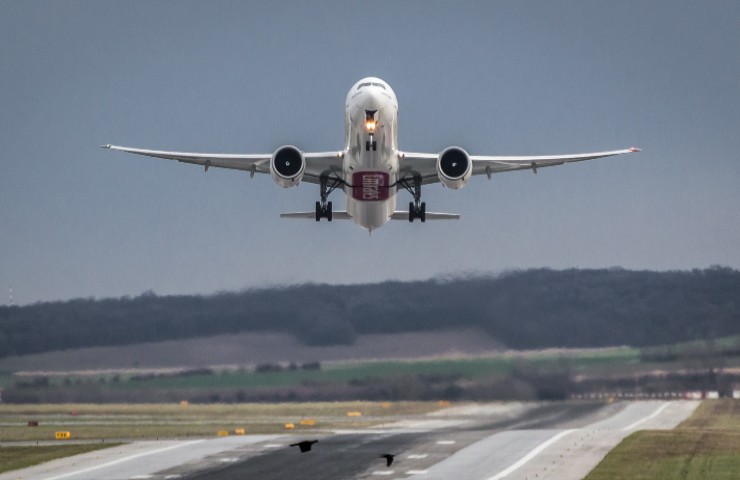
454	167
287	166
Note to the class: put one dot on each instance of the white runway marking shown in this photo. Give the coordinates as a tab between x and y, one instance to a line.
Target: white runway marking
655	414
383	472
423	455
141	477
446	442
126	459
531	454
272	445
416	472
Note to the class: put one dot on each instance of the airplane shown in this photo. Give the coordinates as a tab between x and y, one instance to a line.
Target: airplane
371	168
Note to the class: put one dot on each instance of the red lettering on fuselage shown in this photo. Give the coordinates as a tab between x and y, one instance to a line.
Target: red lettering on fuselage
370	186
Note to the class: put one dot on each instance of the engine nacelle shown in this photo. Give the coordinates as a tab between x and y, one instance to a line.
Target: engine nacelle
287	166
454	167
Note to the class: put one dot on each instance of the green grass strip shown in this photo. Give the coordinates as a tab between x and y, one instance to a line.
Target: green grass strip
13	458
705	447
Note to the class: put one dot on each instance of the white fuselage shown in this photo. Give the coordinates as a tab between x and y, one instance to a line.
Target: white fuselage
371	173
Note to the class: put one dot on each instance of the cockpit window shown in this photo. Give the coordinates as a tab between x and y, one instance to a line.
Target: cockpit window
368	84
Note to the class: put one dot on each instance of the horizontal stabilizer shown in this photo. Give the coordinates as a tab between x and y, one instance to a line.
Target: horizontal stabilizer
312	215
342	215
429	216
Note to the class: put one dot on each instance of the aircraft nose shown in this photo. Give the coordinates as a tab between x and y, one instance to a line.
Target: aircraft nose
371	98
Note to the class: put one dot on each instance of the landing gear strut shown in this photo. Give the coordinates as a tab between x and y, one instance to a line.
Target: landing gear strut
417	208
326	186
371	144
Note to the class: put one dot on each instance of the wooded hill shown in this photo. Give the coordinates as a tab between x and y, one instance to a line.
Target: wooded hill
523	309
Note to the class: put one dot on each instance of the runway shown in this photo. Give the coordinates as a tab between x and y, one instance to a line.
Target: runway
561	441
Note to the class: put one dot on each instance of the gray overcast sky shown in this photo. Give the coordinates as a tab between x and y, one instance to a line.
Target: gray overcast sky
514	77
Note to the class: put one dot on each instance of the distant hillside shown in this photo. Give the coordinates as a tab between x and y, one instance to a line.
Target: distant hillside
527	309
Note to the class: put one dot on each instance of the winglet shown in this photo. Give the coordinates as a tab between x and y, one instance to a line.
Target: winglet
106	146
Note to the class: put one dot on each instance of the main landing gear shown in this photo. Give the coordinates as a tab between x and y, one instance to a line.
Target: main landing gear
417	208
326	186
323	210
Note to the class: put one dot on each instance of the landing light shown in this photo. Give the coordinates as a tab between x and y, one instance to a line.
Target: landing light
371	125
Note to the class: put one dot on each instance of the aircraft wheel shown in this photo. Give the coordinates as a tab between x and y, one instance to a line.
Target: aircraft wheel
423	212
412	211
318	211
328	211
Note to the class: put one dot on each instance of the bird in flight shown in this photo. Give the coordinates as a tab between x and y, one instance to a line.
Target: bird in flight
305	445
388	459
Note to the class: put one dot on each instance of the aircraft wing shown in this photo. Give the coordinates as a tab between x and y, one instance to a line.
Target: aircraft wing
316	163
425	164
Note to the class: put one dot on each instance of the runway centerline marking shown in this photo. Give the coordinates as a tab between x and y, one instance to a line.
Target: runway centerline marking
414	456
446	442
416	472
121	460
531	454
655	414
383	472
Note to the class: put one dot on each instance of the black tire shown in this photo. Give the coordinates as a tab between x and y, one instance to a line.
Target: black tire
328	211
423	212
367	145
318	211
375	146
412	211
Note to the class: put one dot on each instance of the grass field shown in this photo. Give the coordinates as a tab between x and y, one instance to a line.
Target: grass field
706	446
13	458
112	421
344	372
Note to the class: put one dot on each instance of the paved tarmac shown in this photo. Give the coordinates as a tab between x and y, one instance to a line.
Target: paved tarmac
562	440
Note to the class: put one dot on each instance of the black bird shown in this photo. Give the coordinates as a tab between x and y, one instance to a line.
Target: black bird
388	459
305	445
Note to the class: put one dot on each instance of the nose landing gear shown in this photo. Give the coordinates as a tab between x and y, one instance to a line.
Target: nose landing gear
371	125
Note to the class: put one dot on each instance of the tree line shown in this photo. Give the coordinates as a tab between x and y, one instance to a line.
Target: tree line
523	309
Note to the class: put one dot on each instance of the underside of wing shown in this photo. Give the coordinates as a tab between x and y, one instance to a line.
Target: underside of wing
424	165
259	163
483	164
317	164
